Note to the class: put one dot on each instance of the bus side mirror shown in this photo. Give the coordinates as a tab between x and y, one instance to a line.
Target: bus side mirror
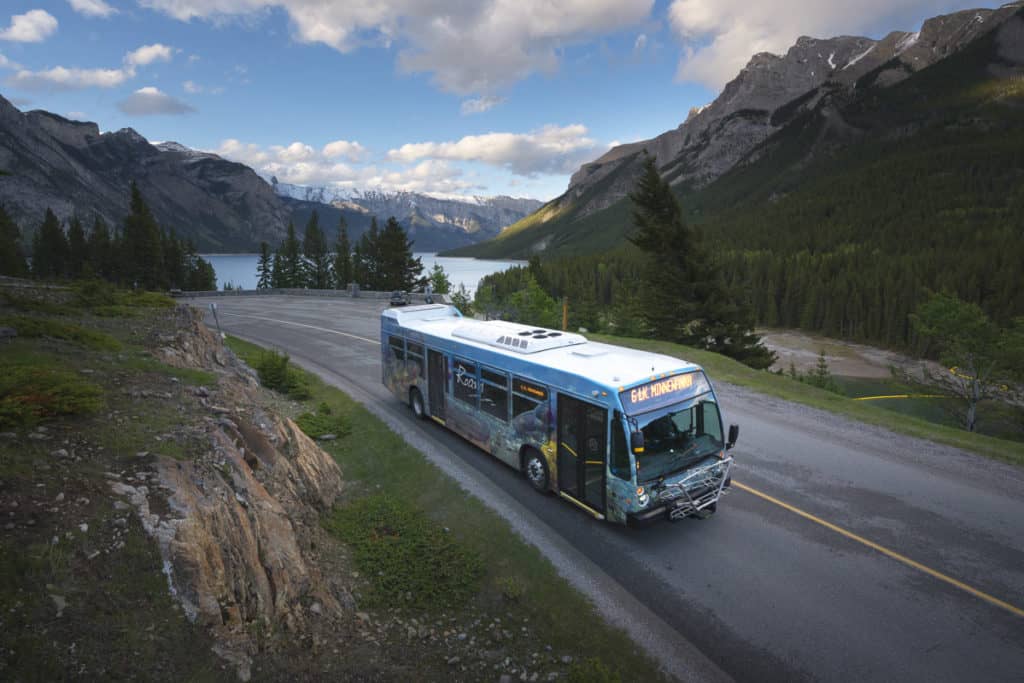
636	442
734	434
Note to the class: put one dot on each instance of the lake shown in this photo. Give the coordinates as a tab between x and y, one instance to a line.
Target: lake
240	269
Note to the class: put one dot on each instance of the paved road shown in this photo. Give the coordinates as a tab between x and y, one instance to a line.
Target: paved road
844	552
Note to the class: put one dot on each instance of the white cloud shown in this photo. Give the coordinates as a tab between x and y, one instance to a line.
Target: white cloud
300	164
76	116
147	54
64	78
150	101
192	88
33	26
551	149
92	8
352	151
640	43
468	47
480	104
720	36
6	63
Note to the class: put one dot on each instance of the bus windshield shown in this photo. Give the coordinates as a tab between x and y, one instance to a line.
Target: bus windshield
678	437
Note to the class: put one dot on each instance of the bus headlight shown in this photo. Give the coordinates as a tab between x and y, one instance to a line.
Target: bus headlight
642	497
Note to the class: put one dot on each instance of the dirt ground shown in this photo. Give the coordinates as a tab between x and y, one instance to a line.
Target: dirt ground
844	358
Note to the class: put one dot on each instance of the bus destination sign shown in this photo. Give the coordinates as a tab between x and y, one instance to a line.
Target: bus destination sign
663	392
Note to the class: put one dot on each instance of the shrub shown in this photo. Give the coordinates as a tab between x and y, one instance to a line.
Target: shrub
407	558
29	394
275	373
322	422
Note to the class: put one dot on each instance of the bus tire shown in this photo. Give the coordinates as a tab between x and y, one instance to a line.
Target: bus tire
416	403
535	467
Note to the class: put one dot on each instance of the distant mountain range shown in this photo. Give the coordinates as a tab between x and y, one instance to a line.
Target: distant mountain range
785	114
47	160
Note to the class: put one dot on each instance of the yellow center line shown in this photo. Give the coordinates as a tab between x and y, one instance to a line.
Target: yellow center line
311	327
885	551
875	398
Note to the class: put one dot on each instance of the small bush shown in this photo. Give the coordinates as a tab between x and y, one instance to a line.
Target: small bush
39	327
407	558
323	422
512	588
29	394
33	305
95	293
593	671
275	373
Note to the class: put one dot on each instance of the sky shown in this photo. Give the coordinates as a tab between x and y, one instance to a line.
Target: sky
448	97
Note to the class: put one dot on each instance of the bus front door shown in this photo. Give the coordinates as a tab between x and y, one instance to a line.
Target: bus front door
437	380
582	448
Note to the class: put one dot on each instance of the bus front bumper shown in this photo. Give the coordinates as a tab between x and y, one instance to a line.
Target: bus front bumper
677	502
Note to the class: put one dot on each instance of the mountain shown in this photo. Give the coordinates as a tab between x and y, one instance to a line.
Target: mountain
71	167
835	92
222	206
433	223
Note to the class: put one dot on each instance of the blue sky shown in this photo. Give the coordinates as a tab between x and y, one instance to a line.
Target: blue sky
442	96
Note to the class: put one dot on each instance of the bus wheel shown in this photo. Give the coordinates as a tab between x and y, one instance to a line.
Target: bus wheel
536	469
416	403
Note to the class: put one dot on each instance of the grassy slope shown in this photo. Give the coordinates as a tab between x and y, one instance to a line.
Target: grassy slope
725	369
376	460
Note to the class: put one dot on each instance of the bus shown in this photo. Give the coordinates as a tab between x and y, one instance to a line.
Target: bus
628	436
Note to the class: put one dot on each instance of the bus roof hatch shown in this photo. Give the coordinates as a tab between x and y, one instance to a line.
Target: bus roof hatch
517	337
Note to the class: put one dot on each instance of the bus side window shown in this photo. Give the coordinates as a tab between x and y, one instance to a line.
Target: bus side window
620	450
397	345
415	354
466	384
494	393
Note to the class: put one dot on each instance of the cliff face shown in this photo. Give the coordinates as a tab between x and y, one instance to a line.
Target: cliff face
71	167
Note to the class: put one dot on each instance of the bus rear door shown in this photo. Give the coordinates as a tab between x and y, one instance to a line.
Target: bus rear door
437	383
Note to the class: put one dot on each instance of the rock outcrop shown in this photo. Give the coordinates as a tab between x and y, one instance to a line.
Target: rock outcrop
238	524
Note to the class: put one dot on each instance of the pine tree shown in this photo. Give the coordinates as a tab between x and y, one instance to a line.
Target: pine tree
316	259
684	297
142	246
290	274
49	249
369	251
439	279
174	260
265	268
398	268
12	260
342	257
277	271
100	250
77	251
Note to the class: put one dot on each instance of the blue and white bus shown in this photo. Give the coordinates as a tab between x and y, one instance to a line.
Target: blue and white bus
626	435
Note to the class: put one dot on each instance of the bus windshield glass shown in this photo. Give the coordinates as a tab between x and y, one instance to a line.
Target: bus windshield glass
678	437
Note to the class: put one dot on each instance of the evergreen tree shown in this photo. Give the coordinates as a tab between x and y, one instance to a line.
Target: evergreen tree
77	251
398	268
277	271
200	275
462	300
12	260
369	251
265	268
142	246
100	250
342	257
683	295
291	272
175	262
49	249
316	259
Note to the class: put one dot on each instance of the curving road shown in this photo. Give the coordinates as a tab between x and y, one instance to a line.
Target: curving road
844	552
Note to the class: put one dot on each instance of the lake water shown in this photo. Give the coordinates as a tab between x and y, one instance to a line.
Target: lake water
240	269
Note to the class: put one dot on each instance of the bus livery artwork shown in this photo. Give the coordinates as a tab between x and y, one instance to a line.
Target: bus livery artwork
628	436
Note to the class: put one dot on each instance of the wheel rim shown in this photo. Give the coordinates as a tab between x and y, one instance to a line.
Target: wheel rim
535	471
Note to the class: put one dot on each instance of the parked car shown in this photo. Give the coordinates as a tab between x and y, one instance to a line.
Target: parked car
399	298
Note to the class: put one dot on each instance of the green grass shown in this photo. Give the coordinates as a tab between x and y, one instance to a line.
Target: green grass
143	362
408	558
517	581
32	393
725	369
323	422
29	326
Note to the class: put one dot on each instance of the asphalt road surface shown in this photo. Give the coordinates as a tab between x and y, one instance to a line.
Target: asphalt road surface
844	552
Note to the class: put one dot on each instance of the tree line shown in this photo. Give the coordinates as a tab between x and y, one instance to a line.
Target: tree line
141	254
380	260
